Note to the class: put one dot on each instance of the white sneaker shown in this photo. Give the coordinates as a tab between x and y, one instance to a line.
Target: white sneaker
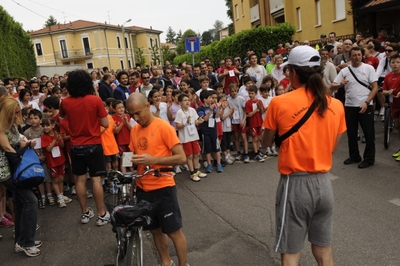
178	169
268	152
85	217
73	190
382	111
195	177
205	164
228	160
200	174
102	220
61	203
66	199
88	194
273	151
185	167
29	251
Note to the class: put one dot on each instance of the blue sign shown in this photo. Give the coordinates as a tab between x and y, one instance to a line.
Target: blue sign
192	45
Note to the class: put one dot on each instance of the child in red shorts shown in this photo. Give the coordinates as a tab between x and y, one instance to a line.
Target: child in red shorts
52	143
254	109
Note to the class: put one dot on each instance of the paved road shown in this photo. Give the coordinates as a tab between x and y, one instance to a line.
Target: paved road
229	219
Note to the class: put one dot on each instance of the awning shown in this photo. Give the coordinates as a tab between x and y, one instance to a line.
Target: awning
379	5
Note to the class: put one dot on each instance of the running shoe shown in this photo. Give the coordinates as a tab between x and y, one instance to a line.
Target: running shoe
5	223
102	220
201	175
246	159
195	177
29	251
85	217
209	168
397	154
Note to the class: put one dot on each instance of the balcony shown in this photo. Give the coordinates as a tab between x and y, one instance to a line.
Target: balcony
74	55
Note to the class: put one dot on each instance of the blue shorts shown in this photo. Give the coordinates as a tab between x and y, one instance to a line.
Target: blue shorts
210	143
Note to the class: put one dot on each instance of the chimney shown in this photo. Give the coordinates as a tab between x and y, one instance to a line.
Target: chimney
151	27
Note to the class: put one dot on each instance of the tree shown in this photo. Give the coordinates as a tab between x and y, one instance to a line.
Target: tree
140	59
167	54
229	12
180	48
218	26
178	36
50	22
17	57
207	37
170	38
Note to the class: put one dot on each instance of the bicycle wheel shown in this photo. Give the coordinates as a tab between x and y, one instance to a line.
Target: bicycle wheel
387	127
134	256
122	243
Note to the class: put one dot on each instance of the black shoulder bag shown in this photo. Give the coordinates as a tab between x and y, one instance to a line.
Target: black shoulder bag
279	139
361	83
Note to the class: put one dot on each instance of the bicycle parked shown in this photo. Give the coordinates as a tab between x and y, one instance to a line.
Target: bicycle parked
127	216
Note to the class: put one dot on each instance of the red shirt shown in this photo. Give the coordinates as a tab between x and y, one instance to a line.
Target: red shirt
50	159
280	50
123	136
285	82
256	119
392	82
372	60
228	79
84	114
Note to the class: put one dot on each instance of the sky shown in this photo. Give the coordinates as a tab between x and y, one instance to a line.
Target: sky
160	14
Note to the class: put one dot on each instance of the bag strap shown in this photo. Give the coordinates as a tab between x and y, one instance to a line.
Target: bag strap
362	83
296	127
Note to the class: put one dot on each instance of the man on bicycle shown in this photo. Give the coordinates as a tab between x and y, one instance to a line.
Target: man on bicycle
155	144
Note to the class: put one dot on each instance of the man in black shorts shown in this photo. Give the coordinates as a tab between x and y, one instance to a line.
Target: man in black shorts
158	151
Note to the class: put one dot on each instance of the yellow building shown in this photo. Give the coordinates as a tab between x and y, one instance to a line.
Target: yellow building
94	45
310	18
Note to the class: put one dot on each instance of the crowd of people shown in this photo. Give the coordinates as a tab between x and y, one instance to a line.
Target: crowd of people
75	120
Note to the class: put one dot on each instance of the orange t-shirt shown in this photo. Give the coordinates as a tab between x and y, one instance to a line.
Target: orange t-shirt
157	139
310	149
110	146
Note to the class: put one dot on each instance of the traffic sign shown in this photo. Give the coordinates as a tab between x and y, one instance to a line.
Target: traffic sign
192	45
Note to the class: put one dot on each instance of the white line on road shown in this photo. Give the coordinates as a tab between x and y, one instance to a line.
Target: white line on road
395	201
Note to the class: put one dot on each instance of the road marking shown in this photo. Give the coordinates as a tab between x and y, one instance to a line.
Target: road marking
334	177
395	201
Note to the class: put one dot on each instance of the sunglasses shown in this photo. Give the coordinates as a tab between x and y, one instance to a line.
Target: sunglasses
388	51
146	78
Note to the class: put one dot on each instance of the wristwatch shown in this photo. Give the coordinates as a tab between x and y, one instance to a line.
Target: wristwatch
367	102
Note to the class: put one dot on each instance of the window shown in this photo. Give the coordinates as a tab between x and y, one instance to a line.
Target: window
318	9
64	51
86	46
122	64
89	65
39	50
237	11
118	42
298	19
340	9
126	42
242	8
129	63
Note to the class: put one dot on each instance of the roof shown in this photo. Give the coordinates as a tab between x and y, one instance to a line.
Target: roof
376	2
170	45
84	24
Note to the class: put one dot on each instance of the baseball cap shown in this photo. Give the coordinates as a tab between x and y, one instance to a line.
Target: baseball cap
323	35
304	56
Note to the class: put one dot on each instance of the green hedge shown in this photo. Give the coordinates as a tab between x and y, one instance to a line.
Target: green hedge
257	39
17	57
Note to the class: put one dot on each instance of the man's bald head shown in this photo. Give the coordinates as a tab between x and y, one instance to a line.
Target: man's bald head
136	98
139	108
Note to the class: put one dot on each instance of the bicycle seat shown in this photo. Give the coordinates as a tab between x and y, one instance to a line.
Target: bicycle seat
133	215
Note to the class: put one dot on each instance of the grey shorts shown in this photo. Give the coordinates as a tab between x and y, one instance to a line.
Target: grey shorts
304	205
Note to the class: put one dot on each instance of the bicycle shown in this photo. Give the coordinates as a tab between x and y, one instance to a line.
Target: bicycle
127	216
388	126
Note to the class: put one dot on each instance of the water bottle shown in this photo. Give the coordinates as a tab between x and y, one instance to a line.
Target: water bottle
114	188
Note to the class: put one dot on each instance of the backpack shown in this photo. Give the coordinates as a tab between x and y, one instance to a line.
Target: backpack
30	172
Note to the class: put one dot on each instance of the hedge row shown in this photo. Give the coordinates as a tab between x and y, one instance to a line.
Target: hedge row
17	57
256	39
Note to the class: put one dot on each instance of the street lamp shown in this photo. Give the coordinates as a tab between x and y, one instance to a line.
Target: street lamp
126	43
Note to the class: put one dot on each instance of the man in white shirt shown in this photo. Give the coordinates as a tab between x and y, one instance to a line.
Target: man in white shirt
329	68
36	96
255	70
361	89
332	40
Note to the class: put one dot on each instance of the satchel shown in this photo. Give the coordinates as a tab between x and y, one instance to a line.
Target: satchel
83	151
30	172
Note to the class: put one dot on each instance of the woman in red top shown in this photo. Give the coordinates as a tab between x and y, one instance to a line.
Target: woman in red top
229	74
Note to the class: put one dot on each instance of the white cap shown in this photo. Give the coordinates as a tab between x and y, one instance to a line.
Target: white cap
304	55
